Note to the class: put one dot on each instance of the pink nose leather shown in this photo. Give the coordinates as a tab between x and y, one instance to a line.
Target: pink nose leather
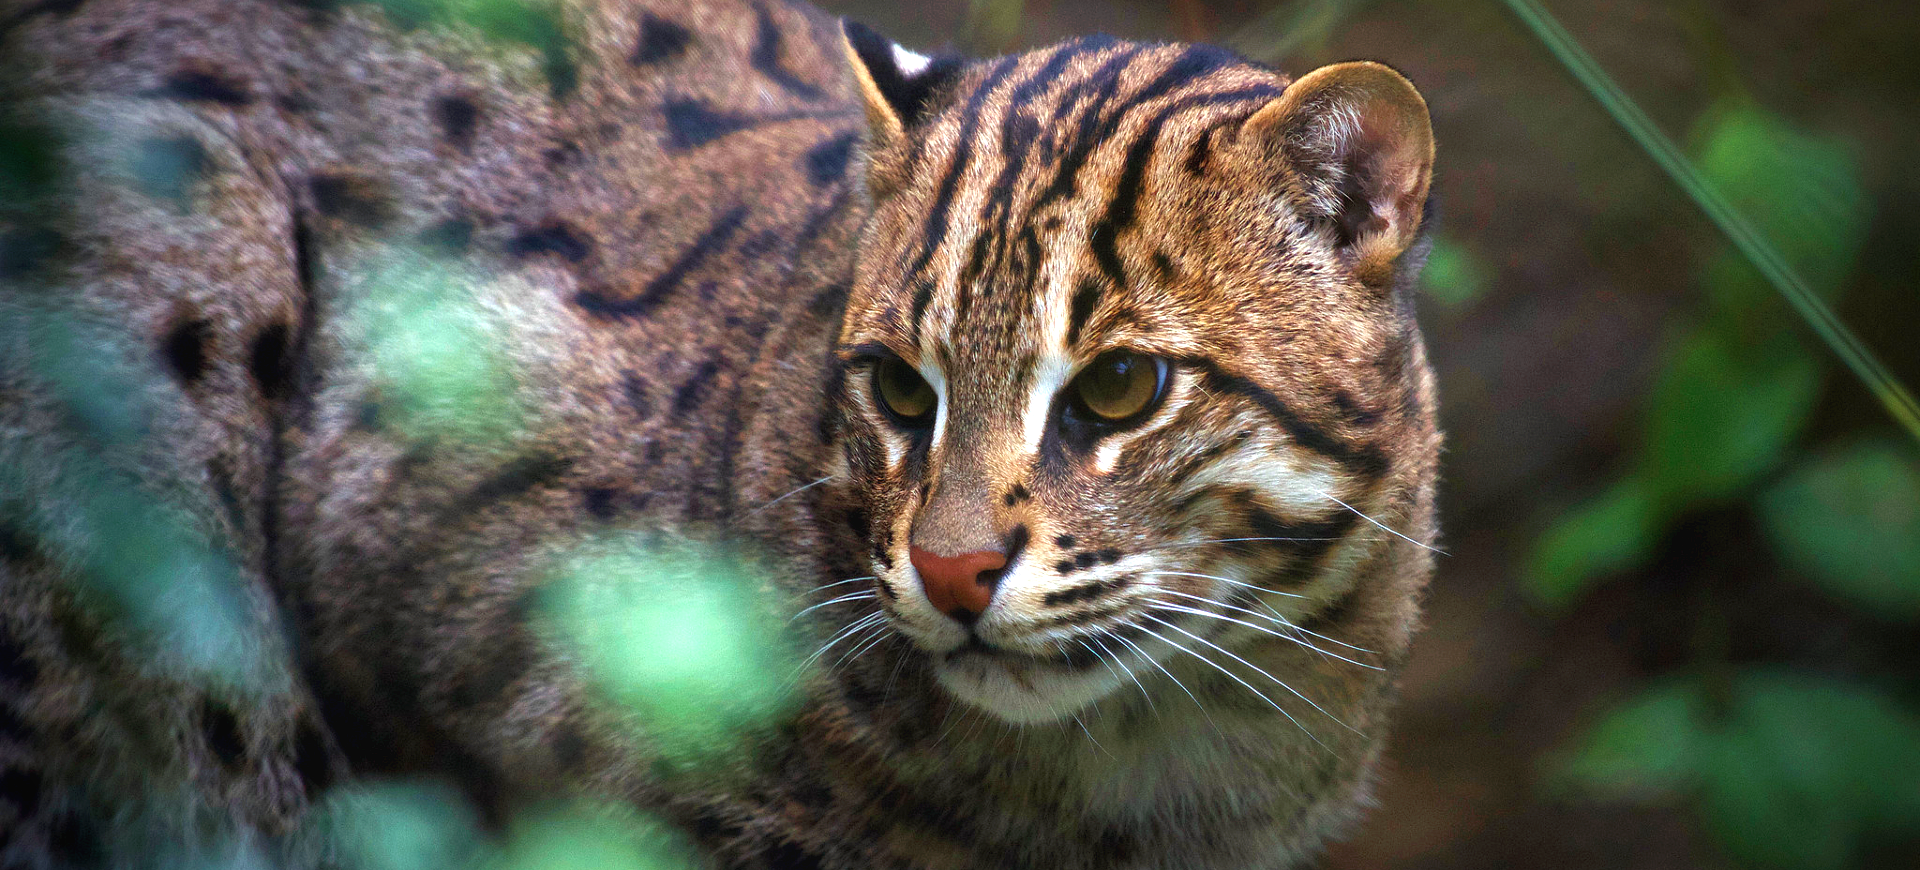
959	586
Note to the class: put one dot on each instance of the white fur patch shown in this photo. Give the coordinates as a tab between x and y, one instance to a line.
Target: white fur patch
910	63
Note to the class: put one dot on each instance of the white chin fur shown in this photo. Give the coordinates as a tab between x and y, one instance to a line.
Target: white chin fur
1031	694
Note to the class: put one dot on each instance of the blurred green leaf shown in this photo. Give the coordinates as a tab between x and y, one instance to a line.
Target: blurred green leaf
1790	771
1646	748
683	637
1453	276
1851	521
1802	192
29	161
1611	532
1721	414
438	354
400	826
580	837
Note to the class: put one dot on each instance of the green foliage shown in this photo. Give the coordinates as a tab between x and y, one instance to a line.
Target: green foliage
1850	520
1734	392
416	826
144	562
1788	771
29	162
399	826
684	637
438	354
1722	414
1802	191
1611	532
1454	275
585	837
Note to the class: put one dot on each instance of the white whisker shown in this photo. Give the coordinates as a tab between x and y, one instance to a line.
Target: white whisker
1083	730
1308	631
789	494
851	596
1223	669
842	634
836	583
1122	667
1256	668
1163	668
1185	544
877	634
1363	516
1223	580
1280	621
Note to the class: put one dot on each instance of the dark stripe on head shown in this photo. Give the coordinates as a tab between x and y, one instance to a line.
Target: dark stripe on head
1124	207
1082	140
934	230
457	115
552	237
1085	298
711	242
1364	459
691	123
687	397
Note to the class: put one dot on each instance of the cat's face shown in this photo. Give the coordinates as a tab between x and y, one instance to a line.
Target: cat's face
1124	364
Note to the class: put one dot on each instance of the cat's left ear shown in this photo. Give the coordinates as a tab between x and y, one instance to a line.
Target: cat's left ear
899	87
1358	146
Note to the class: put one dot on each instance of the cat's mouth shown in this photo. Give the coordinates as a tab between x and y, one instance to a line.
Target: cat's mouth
975	646
1020	686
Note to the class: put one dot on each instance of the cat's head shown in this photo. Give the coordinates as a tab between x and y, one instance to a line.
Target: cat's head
1129	365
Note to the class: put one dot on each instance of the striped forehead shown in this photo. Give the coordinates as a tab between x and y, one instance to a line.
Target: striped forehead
1030	177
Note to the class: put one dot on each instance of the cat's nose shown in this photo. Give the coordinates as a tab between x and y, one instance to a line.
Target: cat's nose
959	586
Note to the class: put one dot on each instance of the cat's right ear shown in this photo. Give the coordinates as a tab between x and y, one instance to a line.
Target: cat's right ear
899	87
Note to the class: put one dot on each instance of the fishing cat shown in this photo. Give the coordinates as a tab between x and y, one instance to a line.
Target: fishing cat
1072	401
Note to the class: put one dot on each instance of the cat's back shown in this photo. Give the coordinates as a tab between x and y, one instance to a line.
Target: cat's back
233	237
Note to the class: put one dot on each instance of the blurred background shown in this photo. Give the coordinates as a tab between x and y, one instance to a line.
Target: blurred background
1678	624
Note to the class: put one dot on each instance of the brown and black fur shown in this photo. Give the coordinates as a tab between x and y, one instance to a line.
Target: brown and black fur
693	227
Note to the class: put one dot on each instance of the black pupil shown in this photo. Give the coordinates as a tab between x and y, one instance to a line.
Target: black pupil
1111	381
905	393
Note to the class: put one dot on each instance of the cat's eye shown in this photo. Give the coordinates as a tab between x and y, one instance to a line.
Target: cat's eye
906	396
1118	387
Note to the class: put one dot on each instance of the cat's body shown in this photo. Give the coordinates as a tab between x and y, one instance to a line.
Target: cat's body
691	234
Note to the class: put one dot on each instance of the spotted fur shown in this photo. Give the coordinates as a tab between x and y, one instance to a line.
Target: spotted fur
703	225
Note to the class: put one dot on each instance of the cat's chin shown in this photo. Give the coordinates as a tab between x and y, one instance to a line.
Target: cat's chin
1022	690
